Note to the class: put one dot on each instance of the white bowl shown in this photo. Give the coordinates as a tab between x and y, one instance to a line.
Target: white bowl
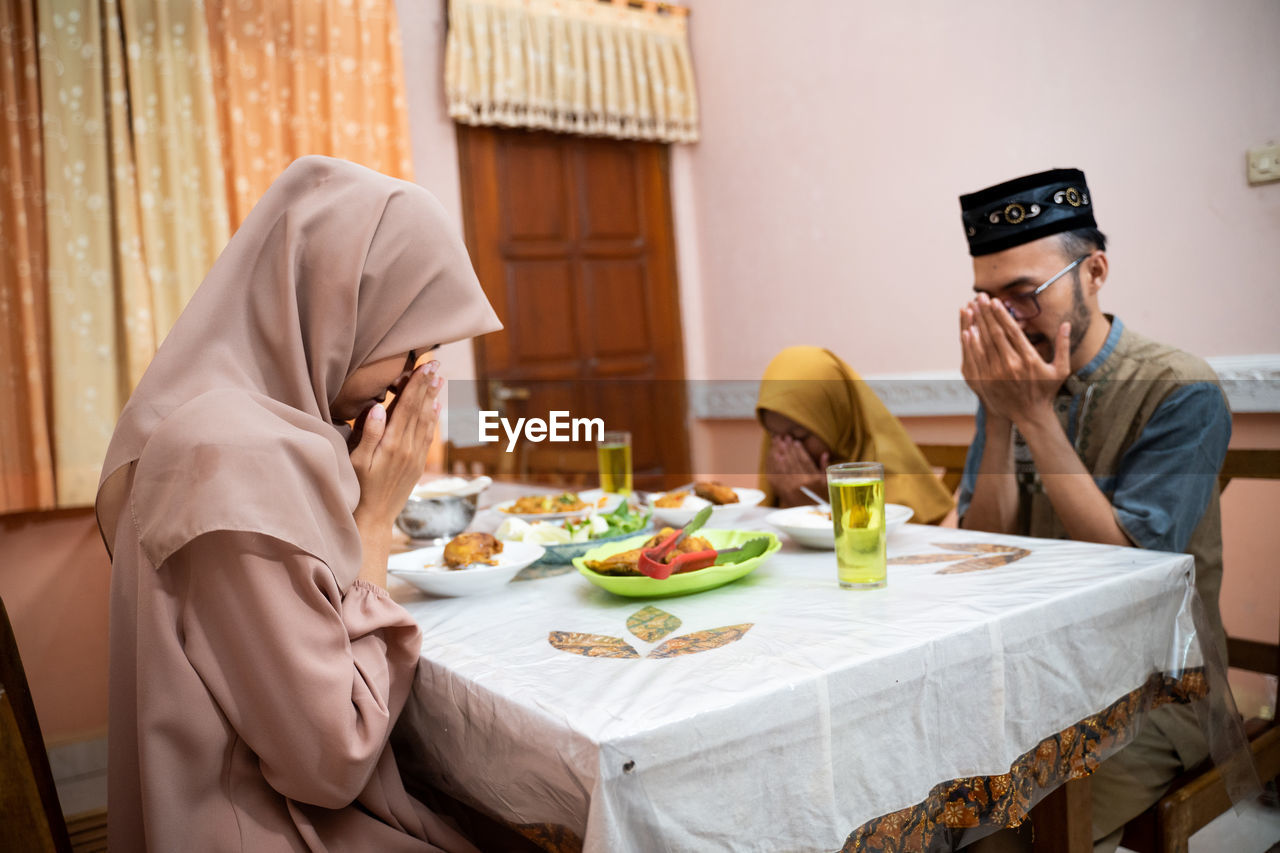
425	569
593	497
808	525
812	529
721	516
896	515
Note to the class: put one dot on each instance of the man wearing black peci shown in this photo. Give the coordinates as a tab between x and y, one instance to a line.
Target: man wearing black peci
1087	430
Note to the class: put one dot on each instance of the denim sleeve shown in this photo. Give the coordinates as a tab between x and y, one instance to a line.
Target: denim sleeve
972	462
1165	479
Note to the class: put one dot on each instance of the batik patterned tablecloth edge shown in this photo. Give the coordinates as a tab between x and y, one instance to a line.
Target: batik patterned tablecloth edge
1006	799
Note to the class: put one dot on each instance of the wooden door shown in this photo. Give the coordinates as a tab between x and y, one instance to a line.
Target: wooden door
571	238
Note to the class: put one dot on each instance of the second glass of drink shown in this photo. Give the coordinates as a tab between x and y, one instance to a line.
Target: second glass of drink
613	452
857	511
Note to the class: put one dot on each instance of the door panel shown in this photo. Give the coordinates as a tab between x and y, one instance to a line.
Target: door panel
610	186
617	293
571	238
542	304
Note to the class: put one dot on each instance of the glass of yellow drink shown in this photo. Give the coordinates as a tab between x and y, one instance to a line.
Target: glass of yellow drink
613	452
857	511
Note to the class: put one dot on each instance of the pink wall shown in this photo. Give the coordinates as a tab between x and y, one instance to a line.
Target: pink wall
435	143
837	136
54	581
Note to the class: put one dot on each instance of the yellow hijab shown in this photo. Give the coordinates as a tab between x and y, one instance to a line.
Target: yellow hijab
817	390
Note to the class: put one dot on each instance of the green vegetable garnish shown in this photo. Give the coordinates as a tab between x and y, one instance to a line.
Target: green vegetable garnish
622	520
747	550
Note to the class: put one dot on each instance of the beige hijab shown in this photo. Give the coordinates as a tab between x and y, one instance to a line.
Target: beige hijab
816	389
230	427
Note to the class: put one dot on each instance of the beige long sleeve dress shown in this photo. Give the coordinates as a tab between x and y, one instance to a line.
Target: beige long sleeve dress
263	698
254	680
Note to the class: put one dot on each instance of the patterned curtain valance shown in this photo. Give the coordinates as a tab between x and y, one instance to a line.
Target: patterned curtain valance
578	66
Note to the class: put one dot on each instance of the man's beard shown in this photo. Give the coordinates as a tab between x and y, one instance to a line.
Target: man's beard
1078	317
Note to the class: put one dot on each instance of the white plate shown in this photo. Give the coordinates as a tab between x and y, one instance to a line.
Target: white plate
721	516
591	496
425	569
812	530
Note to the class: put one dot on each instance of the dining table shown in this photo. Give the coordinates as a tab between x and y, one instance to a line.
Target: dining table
781	712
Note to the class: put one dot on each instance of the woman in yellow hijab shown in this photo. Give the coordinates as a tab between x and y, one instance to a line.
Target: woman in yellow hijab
816	412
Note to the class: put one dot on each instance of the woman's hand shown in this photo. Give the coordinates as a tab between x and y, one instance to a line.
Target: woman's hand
390	459
789	466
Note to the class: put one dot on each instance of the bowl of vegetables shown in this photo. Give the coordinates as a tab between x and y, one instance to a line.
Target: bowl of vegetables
567	538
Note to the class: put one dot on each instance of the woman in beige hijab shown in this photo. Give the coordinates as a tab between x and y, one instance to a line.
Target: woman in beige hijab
257	662
817	411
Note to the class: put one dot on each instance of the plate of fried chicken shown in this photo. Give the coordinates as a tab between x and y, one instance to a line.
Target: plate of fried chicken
615	566
469	564
677	508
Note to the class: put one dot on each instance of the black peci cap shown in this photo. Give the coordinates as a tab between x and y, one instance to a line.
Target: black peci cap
1026	209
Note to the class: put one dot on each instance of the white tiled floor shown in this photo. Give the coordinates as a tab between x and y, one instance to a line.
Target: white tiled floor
80	774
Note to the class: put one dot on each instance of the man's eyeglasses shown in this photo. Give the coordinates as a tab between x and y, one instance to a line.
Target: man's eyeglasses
1024	306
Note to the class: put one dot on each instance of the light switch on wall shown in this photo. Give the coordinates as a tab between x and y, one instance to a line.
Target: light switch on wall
1264	164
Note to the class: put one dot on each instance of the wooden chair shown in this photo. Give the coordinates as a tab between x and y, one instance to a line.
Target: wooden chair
1200	795
950	458
567	465
30	816
491	459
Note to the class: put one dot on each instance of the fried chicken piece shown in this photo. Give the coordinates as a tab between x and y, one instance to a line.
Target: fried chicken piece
468	548
622	564
715	492
672	500
688	546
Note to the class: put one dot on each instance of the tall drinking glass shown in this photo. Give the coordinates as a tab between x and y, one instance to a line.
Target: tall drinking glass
857	511
613	452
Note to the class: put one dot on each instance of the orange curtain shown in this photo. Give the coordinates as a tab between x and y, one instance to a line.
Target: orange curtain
306	77
26	463
135	204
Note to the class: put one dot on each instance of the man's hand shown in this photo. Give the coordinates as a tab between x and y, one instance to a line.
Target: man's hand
789	466
1001	366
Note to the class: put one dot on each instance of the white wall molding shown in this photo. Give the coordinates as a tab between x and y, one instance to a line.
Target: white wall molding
1252	383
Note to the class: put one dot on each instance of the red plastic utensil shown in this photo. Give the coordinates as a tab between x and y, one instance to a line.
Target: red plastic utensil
651	559
692	562
705	559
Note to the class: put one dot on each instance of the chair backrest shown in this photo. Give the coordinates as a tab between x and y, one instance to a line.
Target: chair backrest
1252	464
950	458
570	466
491	459
30	817
1240	463
1249	464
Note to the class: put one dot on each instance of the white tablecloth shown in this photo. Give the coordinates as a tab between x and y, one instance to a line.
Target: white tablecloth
834	707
